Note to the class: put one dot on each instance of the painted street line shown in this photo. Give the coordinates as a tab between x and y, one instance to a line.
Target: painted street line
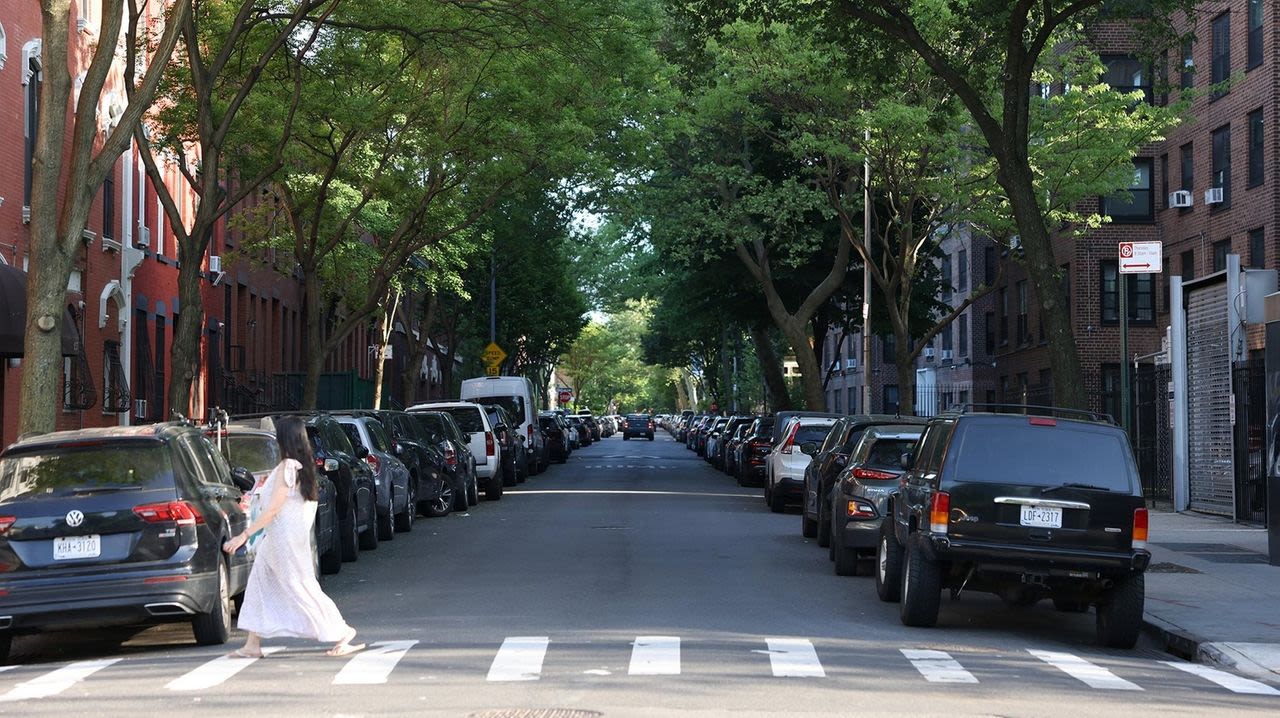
519	659
1230	681
655	656
794	658
215	672
938	666
1092	675
374	665
522	492
55	682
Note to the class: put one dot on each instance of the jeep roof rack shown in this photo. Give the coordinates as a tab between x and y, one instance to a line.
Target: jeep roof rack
1035	410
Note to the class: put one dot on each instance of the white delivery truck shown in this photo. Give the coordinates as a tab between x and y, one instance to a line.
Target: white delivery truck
516	395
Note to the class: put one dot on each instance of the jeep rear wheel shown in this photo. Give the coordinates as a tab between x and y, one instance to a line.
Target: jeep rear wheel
1120	614
888	565
921	586
808	526
214	628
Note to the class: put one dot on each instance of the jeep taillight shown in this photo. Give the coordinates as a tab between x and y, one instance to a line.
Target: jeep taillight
180	512
872	474
373	463
939	511
488	443
531	435
1139	528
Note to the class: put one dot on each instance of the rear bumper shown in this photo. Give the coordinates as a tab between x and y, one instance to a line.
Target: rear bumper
789	487
1019	558
859	534
487	468
106	600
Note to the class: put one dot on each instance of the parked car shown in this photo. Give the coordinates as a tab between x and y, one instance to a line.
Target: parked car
119	526
556	435
753	451
425	461
712	444
638	425
832	456
726	436
731	446
515	463
258	452
582	433
785	465
395	495
1046	505
515	394
472	420
856	505
782	418
459	464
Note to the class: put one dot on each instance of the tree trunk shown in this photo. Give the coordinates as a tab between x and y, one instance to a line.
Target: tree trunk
810	372
904	361
317	348
185	350
380	362
775	383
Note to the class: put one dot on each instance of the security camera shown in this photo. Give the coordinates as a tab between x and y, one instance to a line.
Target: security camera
218	277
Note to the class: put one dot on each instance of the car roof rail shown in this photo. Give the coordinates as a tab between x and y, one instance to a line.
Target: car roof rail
1035	410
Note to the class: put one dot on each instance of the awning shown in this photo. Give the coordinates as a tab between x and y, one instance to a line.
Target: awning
13	316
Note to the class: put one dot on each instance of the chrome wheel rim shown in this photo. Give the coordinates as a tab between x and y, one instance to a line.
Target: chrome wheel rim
224	595
445	500
882	559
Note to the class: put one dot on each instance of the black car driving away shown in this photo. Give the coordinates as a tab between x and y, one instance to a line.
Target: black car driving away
638	425
1042	504
119	526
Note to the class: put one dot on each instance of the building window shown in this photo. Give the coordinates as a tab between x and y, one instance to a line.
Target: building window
1188	170
1256	140
1110	298
1220	252
115	385
1125	74
989	265
1221	52
1164	290
1222	163
835	400
853	400
1141	299
1111	390
31	126
1255	35
1257	249
990	327
946	340
891	399
946	278
1188	265
890	346
1002	306
1188	71
109	206
157	408
962	349
962	270
1164	181
1136	205
1024	333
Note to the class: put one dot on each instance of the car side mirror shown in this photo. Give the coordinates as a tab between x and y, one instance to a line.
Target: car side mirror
330	466
242	478
809	447
906	460
362	451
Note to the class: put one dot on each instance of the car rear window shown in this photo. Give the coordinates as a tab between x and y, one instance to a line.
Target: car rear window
1022	454
467	418
70	470
816	433
255	453
887	453
513	404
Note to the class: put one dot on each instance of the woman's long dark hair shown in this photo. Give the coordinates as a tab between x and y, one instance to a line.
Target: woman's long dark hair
294	444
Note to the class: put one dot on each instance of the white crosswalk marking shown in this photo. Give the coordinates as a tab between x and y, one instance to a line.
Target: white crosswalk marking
794	657
55	682
938	666
1230	681
374	665
655	656
1090	674
519	659
215	672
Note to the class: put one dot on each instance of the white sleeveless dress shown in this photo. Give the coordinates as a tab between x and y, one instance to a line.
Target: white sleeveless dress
283	597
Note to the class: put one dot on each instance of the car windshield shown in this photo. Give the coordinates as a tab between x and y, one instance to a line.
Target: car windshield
69	470
255	453
431	422
466	417
812	432
887	453
1022	454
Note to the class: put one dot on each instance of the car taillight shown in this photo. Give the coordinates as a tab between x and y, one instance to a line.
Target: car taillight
791	437
6	522
181	512
872	474
531	435
939	512
859	509
1139	528
651	425
373	463
450	456
320	464
488	443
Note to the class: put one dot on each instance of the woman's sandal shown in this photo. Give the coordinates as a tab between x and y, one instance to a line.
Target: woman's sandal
241	653
345	649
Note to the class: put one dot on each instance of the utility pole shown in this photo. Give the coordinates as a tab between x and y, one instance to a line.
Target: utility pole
866	274
493	296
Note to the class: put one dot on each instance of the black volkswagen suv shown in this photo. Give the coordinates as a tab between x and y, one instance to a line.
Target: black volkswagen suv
119	526
1045	504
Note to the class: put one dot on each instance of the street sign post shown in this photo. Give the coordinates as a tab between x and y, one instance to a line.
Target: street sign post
1134	258
564	396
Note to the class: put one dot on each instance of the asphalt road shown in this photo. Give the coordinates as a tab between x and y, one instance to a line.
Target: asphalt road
633	581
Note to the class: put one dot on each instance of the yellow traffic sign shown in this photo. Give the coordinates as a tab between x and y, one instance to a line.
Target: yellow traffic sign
493	355
492	370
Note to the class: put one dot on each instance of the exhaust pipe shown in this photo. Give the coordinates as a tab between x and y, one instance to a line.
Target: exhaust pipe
168	609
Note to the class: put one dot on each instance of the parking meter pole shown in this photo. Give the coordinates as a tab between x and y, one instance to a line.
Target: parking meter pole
1124	353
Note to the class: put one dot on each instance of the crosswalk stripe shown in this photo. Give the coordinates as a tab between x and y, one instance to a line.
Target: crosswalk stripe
55	682
374	665
1230	681
794	657
519	659
1090	674
655	656
938	666
215	672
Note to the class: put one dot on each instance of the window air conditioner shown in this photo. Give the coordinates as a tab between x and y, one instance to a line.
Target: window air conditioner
144	237
139	408
215	264
1213	195
947	354
851	363
928	352
26	214
1181	198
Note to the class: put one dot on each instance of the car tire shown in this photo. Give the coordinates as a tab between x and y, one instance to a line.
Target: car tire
369	537
214	628
888	565
509	477
777	502
651	437
1120	613
387	522
350	540
6	646
403	522
331	558
921	586
626	438
808	526
1071	605
845	559
824	528
442	505
494	492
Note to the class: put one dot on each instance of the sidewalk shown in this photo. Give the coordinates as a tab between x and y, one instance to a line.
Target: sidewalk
1211	594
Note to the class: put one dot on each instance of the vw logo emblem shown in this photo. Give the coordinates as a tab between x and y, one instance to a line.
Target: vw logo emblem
75	518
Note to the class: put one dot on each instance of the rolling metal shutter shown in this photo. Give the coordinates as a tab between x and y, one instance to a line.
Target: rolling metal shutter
1210	448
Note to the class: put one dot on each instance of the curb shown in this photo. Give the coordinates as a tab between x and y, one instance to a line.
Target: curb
1174	639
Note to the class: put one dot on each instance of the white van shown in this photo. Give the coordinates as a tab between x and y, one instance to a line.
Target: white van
516	395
